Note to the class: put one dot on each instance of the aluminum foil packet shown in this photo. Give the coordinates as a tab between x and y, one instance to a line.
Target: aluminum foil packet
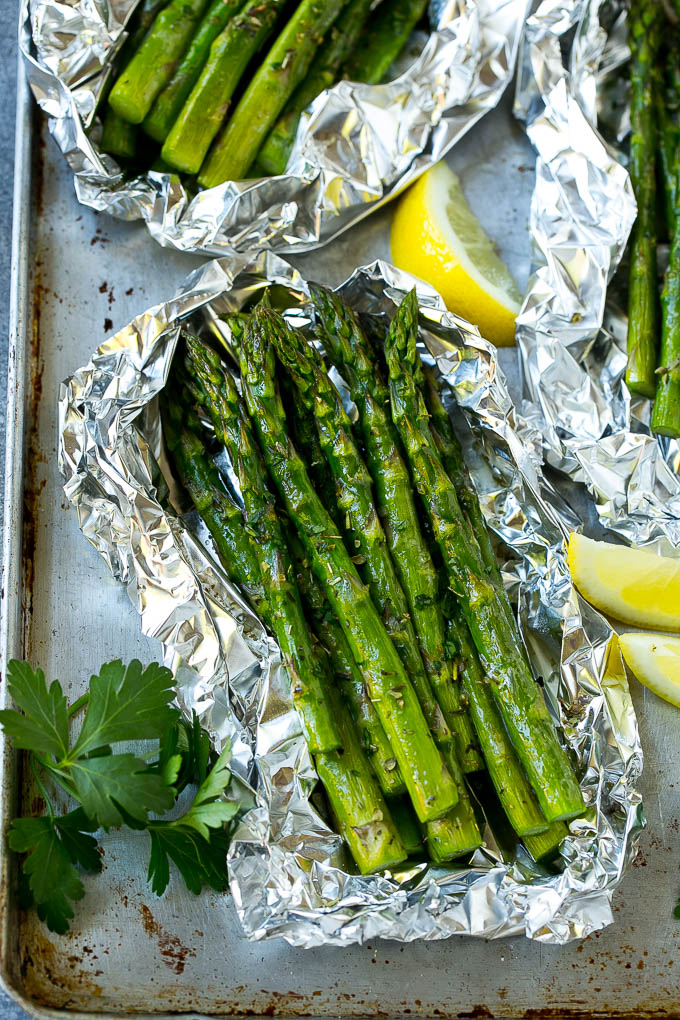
571	331
289	875
356	147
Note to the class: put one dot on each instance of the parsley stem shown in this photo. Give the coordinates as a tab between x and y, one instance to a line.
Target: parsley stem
41	785
78	704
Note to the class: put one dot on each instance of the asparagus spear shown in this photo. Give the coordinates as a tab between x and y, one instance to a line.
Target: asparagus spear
347	673
169	103
342	335
206	107
666	412
222	517
282	70
355	502
507	775
229	419
546	844
431	787
457	833
451	455
119	138
668	120
152	65
642	284
387	35
323	73
485	608
407	825
359	808
144	17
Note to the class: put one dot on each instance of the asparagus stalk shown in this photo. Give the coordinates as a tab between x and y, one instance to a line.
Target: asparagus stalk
387	35
507	775
407	824
144	17
666	411
668	120
323	73
169	103
546	844
342	335
485	608
457	833
154	62
642	284
222	517
206	108
451	455
281	72
119	138
229	419
359	808
355	503
431	787
347	673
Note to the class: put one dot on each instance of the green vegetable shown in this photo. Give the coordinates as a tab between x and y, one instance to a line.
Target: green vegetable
169	103
355	504
343	337
113	787
668	121
457	833
666	411
361	814
221	515
645	25
386	36
152	66
119	138
430	785
232	428
144	17
323	73
206	108
278	76
545	845
485	608
347	674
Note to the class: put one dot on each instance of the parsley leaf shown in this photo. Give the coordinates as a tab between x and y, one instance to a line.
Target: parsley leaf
104	783
676	912
196	842
53	846
44	726
126	703
123	704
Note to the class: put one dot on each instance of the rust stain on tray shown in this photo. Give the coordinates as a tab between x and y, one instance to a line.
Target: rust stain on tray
173	953
53	979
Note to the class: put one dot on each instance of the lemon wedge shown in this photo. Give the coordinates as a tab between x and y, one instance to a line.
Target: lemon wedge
436	236
655	660
633	585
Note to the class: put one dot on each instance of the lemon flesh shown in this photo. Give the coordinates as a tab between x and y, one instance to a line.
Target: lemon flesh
655	660
436	236
633	585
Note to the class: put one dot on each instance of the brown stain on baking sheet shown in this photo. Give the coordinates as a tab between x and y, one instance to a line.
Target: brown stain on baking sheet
53	979
173	953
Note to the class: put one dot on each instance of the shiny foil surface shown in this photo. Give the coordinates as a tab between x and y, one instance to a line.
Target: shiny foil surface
289	874
571	331
356	147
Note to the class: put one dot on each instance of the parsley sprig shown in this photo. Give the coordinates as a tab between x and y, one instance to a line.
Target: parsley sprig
113	786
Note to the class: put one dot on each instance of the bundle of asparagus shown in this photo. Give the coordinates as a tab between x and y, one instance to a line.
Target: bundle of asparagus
654	371
187	60
406	665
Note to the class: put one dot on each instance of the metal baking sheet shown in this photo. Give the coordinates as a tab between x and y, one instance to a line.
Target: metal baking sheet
77	277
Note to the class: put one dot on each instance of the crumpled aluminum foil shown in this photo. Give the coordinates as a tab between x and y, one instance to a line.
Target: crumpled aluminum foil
287	874
570	332
356	148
